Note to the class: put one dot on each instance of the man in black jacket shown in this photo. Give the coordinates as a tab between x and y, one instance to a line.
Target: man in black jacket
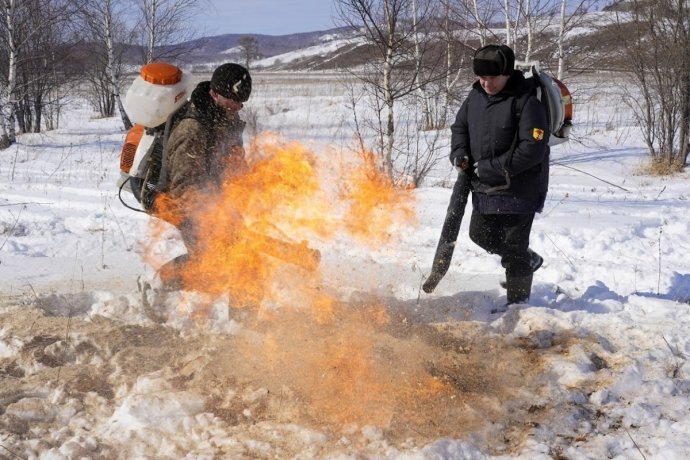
506	155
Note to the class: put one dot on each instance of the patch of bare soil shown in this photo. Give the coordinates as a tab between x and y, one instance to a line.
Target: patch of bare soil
362	366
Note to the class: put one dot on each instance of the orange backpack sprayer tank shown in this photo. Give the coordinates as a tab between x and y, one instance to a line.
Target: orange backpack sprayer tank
156	93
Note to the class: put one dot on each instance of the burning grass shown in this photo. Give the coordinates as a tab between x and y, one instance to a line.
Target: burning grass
362	369
274	213
363	365
342	364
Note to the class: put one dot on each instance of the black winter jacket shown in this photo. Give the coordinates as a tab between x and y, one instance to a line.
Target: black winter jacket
511	174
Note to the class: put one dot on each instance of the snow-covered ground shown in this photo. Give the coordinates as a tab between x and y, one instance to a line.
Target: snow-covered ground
352	360
329	45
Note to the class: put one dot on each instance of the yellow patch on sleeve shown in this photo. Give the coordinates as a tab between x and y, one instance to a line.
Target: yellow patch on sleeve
538	134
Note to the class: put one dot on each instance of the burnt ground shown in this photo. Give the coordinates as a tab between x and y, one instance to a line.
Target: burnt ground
361	366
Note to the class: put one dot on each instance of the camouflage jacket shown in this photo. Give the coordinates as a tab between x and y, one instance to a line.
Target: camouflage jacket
204	147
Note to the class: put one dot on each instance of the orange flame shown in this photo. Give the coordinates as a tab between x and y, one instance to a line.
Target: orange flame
261	220
376	202
347	370
255	237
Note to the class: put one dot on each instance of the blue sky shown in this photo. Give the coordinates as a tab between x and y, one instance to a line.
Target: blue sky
270	17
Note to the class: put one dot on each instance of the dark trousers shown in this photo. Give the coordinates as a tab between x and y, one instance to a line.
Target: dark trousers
506	235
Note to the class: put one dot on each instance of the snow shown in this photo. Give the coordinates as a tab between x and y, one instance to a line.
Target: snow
328	45
595	366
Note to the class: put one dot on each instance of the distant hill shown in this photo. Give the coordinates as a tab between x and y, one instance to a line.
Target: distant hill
340	48
222	48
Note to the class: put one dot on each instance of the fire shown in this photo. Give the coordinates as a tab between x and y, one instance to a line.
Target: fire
243	228
376	203
347	370
262	220
257	235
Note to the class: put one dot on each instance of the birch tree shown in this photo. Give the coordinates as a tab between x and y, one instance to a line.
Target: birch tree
658	57
520	16
23	23
165	27
540	28
561	41
529	25
481	14
537	19
106	19
449	35
506	14
386	26
465	25
572	14
422	9
11	25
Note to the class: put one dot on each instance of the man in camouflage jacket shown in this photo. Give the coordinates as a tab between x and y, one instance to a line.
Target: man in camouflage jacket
203	148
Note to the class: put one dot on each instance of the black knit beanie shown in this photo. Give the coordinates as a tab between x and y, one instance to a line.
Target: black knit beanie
492	60
232	81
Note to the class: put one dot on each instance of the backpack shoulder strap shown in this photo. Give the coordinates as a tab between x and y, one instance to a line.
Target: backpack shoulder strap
518	105
170	123
520	101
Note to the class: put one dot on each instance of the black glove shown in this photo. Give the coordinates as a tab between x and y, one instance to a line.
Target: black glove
461	164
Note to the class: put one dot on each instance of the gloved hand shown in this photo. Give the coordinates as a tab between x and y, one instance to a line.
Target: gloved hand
497	178
461	164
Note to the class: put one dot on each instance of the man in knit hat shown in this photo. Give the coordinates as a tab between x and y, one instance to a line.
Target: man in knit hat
506	156
203	149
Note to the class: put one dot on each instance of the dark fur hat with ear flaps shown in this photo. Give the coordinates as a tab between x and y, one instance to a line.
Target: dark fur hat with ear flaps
492	60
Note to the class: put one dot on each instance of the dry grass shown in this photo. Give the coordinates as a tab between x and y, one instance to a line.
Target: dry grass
660	167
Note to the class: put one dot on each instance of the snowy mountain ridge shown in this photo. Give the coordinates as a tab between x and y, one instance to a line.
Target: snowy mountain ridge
342	48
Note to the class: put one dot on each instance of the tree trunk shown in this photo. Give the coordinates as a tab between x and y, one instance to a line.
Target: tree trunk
426	109
388	95
38	112
7	93
561	39
506	6
528	21
22	117
110	66
151	26
390	117
480	23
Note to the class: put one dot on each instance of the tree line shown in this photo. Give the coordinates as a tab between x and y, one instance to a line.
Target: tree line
418	67
52	48
423	49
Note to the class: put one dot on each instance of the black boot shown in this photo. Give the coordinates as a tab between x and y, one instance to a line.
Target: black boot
535	262
519	288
